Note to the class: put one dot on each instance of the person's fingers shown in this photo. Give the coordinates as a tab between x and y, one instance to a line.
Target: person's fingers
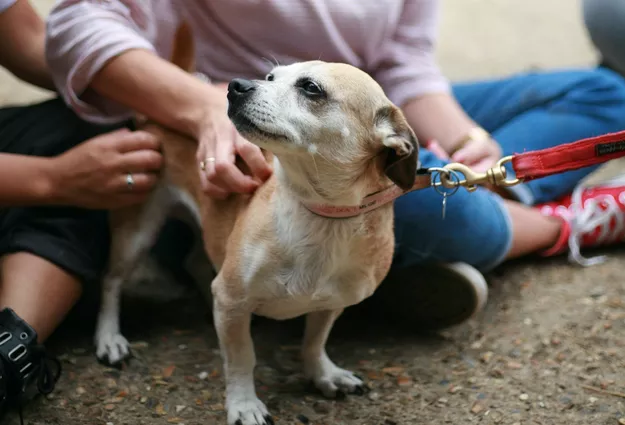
215	191
141	160
434	147
127	141
136	182
471	153
254	158
227	175
204	167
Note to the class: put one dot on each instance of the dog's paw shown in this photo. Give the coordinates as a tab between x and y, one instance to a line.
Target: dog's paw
112	348
334	382
248	411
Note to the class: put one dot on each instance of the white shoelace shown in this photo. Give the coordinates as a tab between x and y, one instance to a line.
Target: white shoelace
595	213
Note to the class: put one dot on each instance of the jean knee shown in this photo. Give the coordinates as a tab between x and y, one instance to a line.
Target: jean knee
476	229
604	90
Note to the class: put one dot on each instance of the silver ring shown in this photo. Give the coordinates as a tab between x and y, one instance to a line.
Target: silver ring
450	174
130	182
205	162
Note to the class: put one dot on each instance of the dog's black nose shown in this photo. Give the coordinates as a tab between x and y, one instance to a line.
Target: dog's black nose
240	87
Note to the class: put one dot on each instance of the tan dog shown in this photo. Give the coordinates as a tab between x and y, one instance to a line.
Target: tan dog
334	138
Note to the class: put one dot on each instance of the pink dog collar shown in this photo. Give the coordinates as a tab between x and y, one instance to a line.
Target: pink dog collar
371	202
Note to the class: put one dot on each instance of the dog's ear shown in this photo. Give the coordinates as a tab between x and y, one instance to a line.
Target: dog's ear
183	49
401	149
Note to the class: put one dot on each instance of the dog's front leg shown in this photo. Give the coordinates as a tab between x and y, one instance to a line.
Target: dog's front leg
237	349
327	377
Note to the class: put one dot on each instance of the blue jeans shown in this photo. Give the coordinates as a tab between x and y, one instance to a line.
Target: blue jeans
525	112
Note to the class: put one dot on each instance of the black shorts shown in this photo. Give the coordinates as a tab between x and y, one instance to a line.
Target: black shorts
77	240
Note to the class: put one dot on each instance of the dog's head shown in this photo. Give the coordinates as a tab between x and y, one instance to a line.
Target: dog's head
326	119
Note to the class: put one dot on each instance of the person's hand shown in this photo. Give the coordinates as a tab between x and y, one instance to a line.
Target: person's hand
219	145
95	174
479	154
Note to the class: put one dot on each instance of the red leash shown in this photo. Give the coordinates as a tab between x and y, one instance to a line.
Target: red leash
527	166
571	156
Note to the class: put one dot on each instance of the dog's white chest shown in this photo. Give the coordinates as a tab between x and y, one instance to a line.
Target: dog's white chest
302	274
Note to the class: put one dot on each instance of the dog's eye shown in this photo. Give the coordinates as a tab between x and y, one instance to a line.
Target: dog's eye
269	77
311	87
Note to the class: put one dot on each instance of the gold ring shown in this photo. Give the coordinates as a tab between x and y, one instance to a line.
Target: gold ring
206	161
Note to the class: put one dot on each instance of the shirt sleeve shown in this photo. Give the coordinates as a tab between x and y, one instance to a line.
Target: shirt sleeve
82	36
406	66
5	4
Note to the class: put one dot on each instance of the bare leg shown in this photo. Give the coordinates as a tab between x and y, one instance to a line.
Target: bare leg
38	291
330	379
237	349
531	231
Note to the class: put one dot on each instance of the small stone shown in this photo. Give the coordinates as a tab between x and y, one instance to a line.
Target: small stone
203	375
180	408
542	404
109	423
143	400
182	347
524	397
217	407
621	421
496	373
322	407
514	365
442	400
109	407
373	396
168	371
527	322
303	419
80	390
404	381
592	400
160	409
487	356
139	344
476	408
454	389
393	371
517	423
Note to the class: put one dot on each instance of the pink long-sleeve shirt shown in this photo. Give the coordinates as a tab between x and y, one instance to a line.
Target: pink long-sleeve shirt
392	40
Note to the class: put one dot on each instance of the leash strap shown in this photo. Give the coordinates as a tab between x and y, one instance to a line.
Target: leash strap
571	156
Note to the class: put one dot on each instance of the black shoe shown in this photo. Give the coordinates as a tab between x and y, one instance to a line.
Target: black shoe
25	366
430	297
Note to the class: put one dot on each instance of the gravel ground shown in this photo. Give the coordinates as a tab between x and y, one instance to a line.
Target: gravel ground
548	349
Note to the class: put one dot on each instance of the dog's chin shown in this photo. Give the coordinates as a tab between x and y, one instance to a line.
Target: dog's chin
254	132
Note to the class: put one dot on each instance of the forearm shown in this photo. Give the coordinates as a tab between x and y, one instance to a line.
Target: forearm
26	180
438	117
142	81
24	54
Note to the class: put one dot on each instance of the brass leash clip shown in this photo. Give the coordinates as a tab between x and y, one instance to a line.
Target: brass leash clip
496	176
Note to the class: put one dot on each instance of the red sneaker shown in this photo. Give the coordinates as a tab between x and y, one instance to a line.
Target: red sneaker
592	216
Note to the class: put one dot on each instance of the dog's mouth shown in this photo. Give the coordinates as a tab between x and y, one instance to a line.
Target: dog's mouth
246	126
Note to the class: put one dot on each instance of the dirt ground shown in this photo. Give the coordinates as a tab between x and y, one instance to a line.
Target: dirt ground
548	349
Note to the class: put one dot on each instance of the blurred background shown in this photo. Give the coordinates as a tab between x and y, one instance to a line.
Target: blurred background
479	38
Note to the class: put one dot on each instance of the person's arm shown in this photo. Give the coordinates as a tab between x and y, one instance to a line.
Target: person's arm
91	175
26	180
22	32
99	56
412	79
